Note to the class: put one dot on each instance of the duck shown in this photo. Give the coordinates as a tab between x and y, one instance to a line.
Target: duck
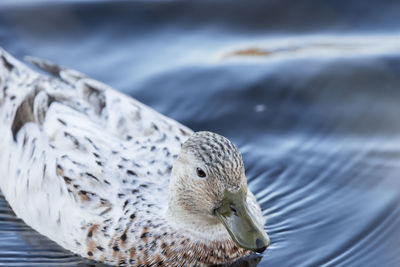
112	180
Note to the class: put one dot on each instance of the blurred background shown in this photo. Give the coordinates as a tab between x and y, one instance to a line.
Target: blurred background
308	90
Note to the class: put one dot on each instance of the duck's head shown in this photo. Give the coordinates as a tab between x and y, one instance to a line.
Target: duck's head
208	190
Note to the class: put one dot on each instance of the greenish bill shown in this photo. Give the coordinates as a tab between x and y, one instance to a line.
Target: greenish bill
240	223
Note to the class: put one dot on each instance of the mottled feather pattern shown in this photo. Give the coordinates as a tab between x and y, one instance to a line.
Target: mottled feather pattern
89	168
219	155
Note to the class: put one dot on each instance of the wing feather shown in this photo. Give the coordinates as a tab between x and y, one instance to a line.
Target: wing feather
74	149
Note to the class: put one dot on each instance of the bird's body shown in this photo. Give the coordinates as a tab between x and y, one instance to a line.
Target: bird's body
90	168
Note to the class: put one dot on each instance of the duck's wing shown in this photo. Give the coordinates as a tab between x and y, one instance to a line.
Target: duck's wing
122	115
72	148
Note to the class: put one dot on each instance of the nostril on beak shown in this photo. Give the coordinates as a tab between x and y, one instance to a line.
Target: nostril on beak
260	246
233	208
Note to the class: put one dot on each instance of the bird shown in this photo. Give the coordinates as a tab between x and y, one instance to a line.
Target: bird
112	180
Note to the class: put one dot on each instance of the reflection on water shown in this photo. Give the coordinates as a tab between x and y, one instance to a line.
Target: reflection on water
314	111
286	48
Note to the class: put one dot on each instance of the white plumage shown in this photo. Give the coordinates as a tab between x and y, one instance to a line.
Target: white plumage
89	168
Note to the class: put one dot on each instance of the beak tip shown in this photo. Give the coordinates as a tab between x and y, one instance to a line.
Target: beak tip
261	246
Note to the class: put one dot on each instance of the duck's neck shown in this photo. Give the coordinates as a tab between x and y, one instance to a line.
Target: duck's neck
200	241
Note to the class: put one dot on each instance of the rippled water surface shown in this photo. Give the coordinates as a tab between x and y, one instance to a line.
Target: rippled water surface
309	92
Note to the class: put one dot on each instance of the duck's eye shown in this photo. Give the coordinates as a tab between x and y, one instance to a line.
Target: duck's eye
200	173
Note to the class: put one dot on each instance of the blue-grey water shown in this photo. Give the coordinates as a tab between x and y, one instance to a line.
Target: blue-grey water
308	90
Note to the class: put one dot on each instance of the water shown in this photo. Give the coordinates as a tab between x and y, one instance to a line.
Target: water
309	91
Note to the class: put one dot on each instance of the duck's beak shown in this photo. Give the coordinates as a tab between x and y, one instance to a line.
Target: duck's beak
240	223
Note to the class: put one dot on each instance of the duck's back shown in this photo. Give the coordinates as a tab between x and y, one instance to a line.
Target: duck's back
76	154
